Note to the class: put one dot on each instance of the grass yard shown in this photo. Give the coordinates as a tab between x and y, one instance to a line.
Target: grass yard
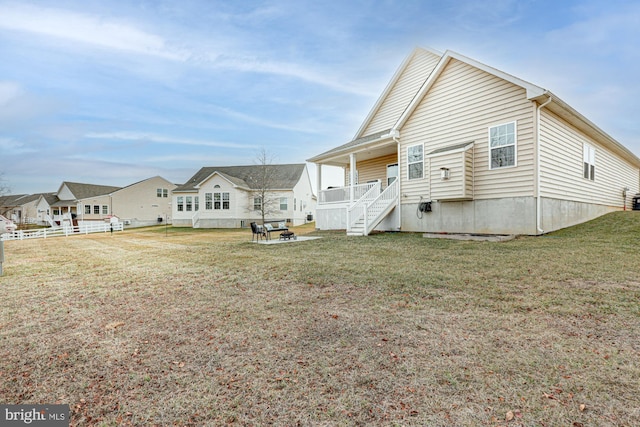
201	327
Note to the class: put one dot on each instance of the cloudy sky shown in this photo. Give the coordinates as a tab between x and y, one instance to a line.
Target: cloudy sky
112	92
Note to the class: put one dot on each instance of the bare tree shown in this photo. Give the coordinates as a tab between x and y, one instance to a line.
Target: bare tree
262	181
4	187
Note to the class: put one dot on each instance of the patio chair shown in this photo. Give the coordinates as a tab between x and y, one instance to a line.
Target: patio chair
256	231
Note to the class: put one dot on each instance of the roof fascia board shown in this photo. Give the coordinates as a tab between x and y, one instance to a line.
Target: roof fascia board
581	121
455	150
401	69
198	185
355	148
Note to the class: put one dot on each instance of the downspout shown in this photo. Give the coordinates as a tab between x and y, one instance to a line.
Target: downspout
538	201
395	135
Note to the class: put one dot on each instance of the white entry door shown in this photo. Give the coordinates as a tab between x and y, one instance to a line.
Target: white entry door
392	173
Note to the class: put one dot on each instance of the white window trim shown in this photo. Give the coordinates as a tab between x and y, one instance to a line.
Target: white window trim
411	163
515	145
589	157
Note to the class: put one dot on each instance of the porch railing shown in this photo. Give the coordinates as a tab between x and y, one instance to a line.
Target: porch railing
194	220
380	206
342	194
367	213
357	211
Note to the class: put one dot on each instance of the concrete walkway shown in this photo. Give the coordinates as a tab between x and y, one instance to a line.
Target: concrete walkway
478	237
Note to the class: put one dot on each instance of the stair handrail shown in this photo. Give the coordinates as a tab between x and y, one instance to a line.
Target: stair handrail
357	210
378	205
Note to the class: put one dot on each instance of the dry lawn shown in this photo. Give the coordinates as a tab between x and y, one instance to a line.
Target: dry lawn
201	327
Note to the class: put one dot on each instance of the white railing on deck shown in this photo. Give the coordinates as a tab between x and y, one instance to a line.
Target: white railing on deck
357	211
342	194
194	219
44	233
379	205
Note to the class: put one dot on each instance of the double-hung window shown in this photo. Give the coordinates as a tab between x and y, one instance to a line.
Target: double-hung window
415	161
96	209
180	203
208	205
225	200
87	209
284	204
589	162
502	145
257	203
189	203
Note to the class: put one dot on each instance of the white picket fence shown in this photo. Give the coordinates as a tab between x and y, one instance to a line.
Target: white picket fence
44	233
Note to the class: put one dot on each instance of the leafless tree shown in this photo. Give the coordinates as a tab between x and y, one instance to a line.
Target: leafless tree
262	182
4	187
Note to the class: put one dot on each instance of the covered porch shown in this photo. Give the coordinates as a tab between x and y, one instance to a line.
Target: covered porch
370	199
63	212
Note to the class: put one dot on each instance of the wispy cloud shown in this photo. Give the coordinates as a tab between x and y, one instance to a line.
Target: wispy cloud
127	37
85	28
162	139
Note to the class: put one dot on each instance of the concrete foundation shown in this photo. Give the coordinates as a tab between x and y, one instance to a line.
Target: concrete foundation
495	216
557	214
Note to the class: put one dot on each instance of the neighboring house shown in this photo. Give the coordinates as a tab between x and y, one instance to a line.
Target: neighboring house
453	145
143	203
79	202
225	196
147	202
11	207
28	208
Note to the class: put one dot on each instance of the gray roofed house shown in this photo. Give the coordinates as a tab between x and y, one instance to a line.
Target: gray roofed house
223	196
142	203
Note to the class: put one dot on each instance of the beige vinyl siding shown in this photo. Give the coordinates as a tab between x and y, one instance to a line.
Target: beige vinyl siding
140	201
94	201
562	172
459	186
416	72
369	170
459	108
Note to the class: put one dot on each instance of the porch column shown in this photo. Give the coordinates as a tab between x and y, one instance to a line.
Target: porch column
352	176
318	178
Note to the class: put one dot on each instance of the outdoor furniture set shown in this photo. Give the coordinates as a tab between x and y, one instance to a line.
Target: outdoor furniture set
264	231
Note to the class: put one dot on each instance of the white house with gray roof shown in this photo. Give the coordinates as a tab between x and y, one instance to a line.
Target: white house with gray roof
226	196
454	145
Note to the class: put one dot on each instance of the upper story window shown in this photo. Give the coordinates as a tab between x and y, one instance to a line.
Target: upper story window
589	162
502	146
284	204
162	192
257	203
415	161
87	209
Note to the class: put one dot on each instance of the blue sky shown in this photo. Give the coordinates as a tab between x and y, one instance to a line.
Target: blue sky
113	92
